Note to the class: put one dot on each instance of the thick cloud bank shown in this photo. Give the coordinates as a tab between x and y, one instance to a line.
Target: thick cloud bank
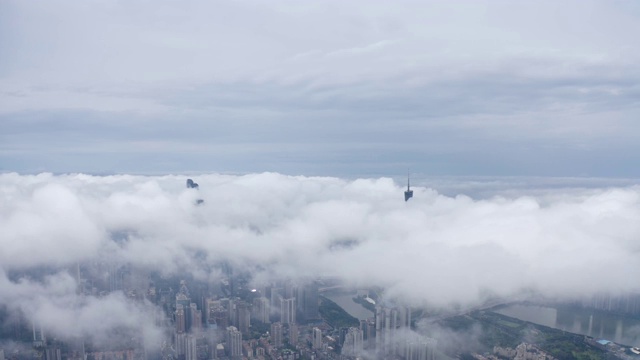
433	249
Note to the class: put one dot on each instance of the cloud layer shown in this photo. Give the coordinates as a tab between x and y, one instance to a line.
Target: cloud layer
435	249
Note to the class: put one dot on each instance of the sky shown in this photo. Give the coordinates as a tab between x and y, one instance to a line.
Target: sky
331	88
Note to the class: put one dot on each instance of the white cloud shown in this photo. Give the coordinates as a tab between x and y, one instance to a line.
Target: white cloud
434	248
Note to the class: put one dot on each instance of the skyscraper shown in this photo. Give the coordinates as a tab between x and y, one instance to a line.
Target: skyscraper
180	319
234	342
196	317
38	336
288	311
183	299
191	351
352	345
418	348
181	345
316	338
308	301
368	328
293	334
276	296
220	317
261	309
52	353
386	324
243	312
276	334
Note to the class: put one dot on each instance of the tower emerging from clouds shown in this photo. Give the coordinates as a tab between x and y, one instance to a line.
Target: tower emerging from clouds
409	193
191	184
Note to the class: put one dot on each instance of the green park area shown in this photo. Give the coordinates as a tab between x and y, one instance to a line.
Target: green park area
334	315
500	330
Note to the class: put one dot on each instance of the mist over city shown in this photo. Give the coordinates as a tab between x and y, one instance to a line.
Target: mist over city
297	180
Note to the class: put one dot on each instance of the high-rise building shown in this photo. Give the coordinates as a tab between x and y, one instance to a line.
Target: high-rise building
316	338
234	342
288	311
210	304
261	309
180	319
181	345
276	295
308	301
290	290
243	312
427	349
352	345
418	348
38	336
386	324
368	328
276	334
196	317
183	299
52	353
404	317
191	349
293	334
220	317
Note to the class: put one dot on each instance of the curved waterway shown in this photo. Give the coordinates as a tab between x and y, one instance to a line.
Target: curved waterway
599	325
345	301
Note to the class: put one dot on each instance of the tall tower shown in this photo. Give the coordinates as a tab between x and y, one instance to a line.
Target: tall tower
409	193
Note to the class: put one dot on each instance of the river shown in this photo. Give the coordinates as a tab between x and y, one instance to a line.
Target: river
599	325
345	301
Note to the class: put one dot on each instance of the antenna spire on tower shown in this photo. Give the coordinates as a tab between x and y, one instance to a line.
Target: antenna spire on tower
409	193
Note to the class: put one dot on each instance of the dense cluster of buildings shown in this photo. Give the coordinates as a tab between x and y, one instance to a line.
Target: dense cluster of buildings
227	319
523	351
281	321
626	304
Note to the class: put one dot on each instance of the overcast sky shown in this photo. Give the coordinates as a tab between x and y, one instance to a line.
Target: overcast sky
543	88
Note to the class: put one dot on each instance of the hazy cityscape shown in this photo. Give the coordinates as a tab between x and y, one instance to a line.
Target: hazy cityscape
309	180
